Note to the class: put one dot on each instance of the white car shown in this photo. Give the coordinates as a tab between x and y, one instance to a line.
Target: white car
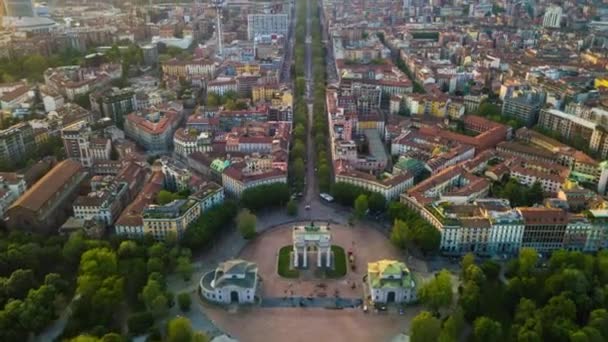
307	207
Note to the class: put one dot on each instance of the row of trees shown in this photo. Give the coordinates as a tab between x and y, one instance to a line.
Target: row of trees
297	168
265	196
202	232
320	128
348	194
411	229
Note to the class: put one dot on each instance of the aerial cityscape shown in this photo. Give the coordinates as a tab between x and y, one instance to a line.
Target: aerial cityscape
304	170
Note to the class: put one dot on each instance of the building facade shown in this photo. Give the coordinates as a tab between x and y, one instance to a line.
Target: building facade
233	281
390	281
48	203
267	24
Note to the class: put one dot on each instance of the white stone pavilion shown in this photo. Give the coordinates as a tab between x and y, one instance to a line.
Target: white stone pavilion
311	238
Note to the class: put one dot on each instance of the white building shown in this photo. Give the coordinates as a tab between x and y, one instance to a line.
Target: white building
12	186
390	281
233	281
104	205
552	17
267	24
52	100
187	141
391	186
236	180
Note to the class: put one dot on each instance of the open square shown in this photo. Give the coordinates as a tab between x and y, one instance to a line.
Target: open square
366	245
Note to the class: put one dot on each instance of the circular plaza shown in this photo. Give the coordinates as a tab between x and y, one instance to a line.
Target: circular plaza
358	245
361	245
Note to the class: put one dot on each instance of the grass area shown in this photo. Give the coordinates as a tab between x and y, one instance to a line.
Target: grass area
284	268
339	263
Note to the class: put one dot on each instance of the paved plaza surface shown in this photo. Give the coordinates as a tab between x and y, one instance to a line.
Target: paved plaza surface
305	325
285	319
367	245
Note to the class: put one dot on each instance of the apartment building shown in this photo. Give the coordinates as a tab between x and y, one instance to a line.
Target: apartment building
267	24
16	142
388	185
12	186
523	106
187	141
236	179
103	205
544	229
153	128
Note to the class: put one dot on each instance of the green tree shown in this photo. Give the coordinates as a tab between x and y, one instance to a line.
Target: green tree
425	328
139	322
399	234
557	318
299	132
292	208
265	196
452	327
35	65
185	268
180	330
154	297
470	300
184	301
377	202
488	109
535	194
246	224
467	260
486	329
19	283
298	150
299	171
599	319
437	293
74	247
155	265
528	257
361	206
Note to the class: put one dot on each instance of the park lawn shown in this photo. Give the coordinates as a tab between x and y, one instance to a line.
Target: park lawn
339	263
284	267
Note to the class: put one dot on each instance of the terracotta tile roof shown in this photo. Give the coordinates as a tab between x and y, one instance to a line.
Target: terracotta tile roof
131	216
12	95
47	186
544	216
